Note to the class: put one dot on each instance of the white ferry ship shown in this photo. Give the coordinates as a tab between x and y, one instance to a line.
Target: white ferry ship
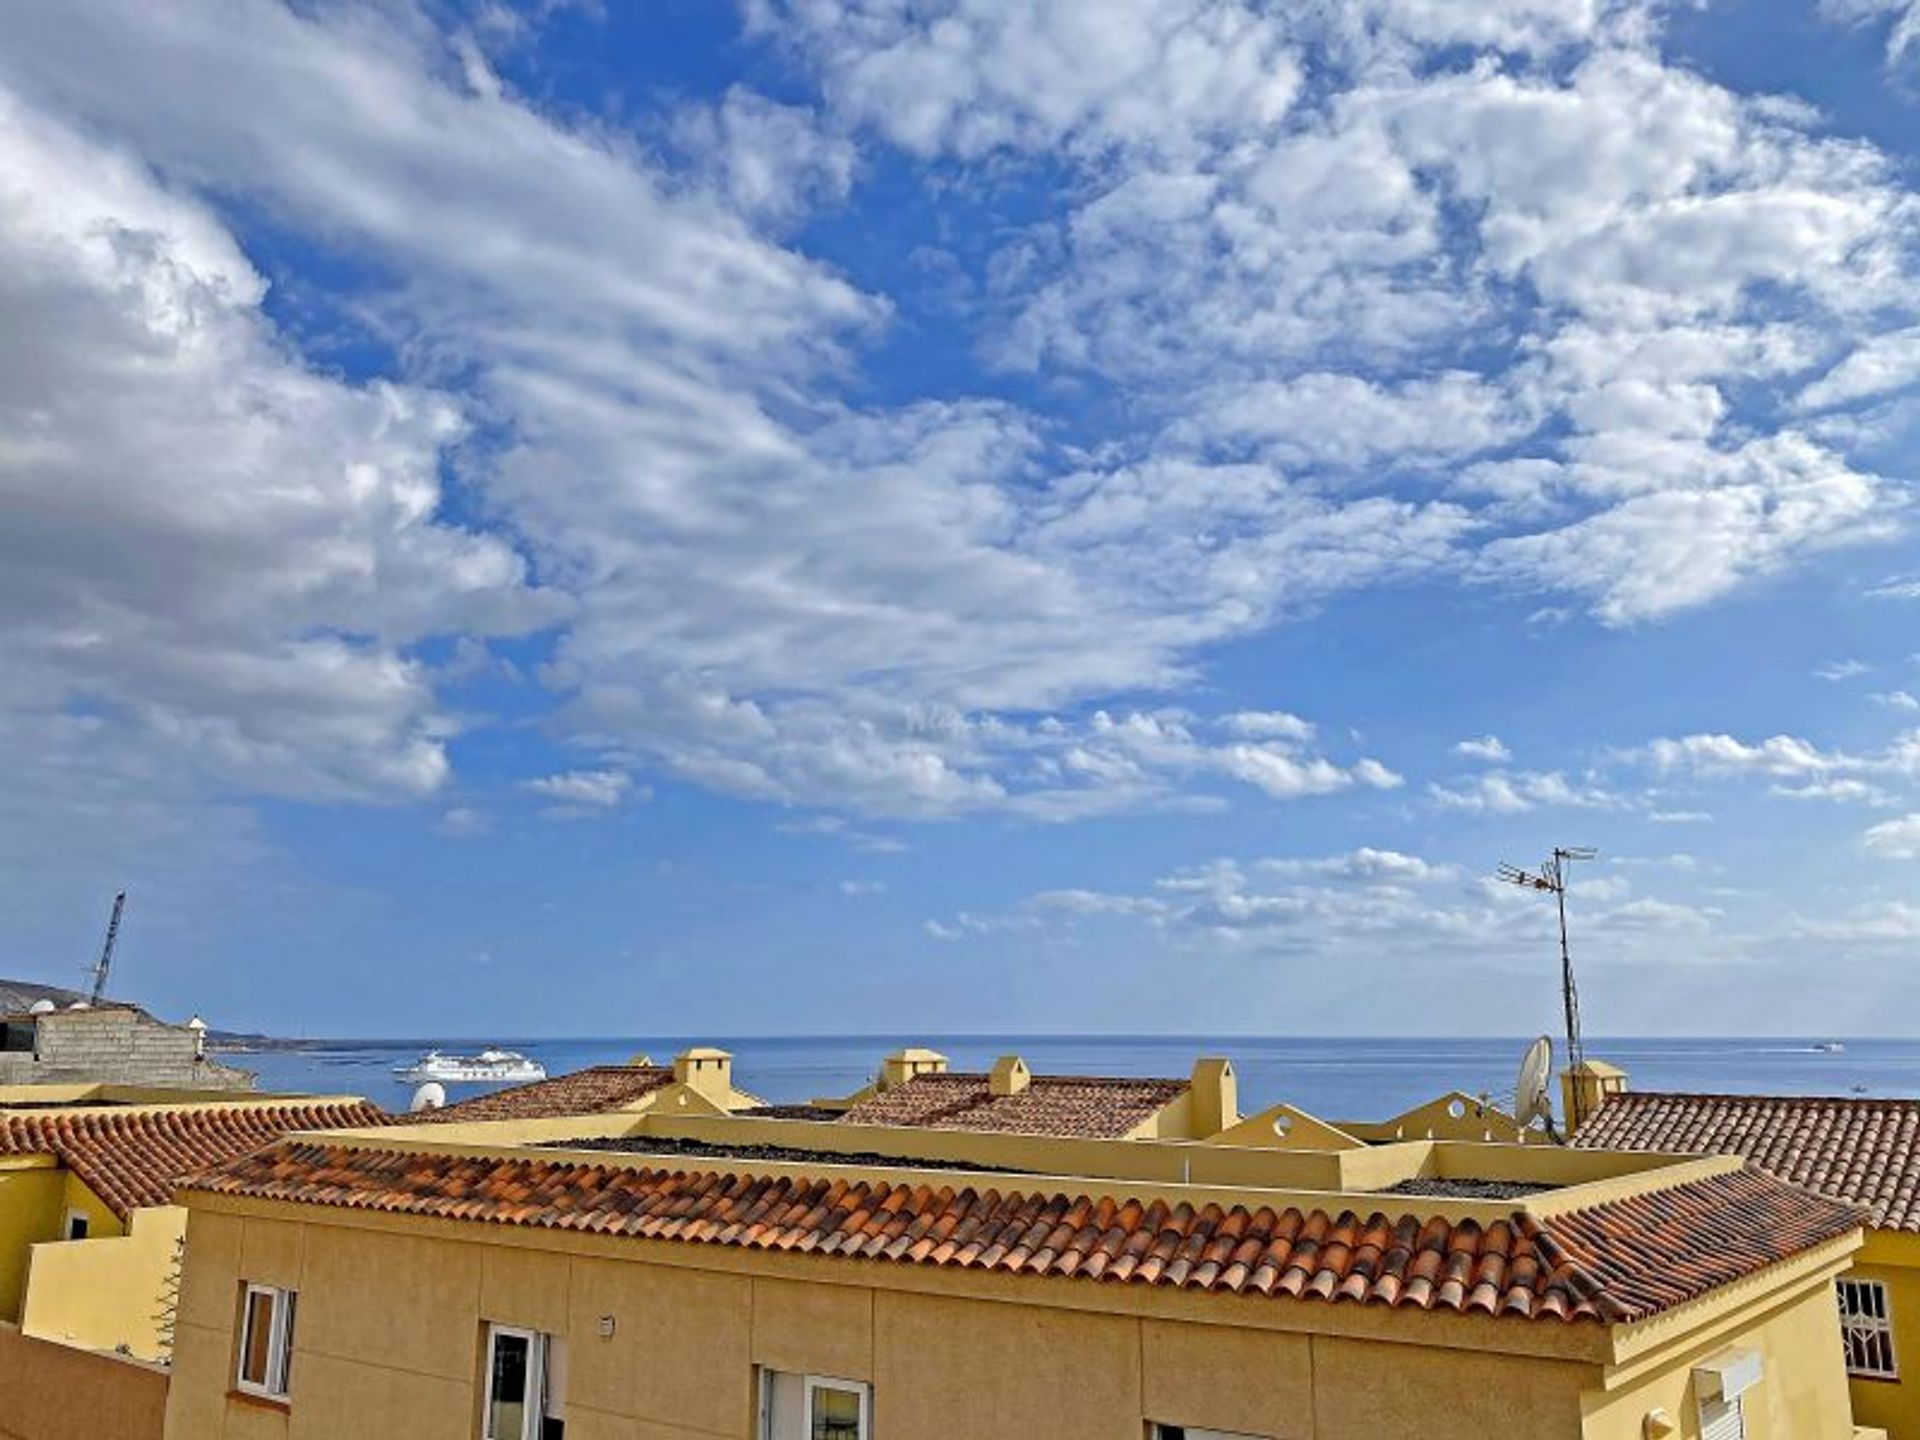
488	1067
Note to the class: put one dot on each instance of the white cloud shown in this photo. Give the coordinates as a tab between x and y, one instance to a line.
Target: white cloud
1846	791
1269	725
1366	864
1143	75
1842	670
1797	768
1514	792
462	822
775	593
585	789
1884	364
1903	34
1894	839
1373	906
1897	700
1484	747
770	161
838	828
860	889
221	553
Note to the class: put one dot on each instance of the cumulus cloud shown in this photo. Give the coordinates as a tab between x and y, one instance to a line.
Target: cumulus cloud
1380	906
585	789
1315	260
1894	839
1515	792
222	554
1484	747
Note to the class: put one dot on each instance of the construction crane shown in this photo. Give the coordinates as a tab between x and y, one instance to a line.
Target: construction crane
105	963
1552	877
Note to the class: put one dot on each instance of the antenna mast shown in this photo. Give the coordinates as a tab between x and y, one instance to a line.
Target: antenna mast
1552	876
105	963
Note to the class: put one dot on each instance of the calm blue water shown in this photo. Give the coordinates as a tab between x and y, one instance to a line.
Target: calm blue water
1338	1079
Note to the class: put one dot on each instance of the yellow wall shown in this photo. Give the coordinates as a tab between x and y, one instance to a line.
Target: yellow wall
109	1292
76	1198
32	1202
1893	1258
392	1312
1802	1395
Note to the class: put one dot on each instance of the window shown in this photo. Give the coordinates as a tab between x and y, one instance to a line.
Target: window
266	1341
1866	1329
814	1407
1194	1432
77	1224
526	1383
1722	1420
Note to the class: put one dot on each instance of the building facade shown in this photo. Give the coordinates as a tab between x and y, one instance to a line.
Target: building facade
1864	1152
755	1278
90	1239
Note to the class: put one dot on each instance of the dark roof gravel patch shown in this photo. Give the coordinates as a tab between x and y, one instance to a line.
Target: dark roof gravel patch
778	1154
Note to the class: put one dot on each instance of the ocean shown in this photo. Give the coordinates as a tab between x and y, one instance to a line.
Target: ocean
1352	1079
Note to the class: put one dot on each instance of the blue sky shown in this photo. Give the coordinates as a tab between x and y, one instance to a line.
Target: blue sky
843	515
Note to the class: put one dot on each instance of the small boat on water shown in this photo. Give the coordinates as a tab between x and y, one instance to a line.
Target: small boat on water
1830	1047
488	1067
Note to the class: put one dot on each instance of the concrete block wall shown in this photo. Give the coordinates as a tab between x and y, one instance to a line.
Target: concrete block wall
116	1044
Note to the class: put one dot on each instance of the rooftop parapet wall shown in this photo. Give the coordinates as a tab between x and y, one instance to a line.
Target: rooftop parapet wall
1172	1170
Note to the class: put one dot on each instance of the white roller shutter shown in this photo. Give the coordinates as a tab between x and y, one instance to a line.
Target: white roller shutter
1722	1420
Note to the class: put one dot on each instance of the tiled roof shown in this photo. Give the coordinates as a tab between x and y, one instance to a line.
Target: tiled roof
1864	1152
131	1158
1094	1107
1616	1262
591	1091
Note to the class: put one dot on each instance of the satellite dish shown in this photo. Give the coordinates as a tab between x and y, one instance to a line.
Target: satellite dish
41	1007
430	1096
1531	1098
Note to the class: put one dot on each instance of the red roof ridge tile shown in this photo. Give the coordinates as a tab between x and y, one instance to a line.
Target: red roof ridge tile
1618	1261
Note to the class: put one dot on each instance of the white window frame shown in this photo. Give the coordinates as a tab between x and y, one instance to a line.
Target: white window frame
1872	1321
279	1341
816	1383
1163	1430
534	1417
86	1225
809	1385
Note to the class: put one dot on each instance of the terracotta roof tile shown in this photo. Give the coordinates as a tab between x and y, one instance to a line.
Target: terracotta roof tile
131	1158
1094	1107
1616	1262
592	1091
1862	1152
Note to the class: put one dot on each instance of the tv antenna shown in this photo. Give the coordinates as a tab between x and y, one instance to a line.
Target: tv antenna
104	964
1552	877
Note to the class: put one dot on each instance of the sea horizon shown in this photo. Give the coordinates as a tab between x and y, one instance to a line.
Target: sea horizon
1337	1077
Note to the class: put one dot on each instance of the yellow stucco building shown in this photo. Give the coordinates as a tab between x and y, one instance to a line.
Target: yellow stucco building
89	1237
752	1277
1862	1151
